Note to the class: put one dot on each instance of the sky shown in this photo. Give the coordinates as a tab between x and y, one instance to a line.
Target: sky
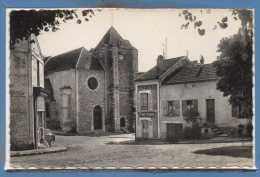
147	31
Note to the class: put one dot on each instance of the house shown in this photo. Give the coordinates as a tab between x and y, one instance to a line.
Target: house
93	90
167	91
27	94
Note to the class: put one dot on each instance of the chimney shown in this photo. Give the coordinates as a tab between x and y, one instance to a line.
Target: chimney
202	59
161	62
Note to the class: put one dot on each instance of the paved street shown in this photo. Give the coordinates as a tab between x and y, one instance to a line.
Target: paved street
105	151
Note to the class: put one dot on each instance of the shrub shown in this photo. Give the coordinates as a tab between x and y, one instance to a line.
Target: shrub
249	129
193	132
192	116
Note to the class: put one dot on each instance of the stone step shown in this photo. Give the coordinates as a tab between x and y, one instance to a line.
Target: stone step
125	130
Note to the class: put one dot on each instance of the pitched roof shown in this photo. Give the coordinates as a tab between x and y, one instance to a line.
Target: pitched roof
193	73
157	70
64	61
78	58
87	61
112	37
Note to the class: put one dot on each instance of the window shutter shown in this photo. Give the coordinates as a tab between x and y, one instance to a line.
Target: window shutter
165	107
195	103
234	110
150	101
184	107
177	108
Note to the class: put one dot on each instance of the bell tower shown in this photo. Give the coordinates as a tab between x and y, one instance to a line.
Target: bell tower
120	60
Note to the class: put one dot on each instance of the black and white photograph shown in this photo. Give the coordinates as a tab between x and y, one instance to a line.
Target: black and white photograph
122	88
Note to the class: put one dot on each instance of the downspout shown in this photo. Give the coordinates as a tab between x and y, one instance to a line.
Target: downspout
159	108
35	120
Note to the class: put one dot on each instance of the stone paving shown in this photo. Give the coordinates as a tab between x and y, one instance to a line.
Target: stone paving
107	151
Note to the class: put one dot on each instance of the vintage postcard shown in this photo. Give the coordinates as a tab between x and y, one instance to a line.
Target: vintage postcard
130	89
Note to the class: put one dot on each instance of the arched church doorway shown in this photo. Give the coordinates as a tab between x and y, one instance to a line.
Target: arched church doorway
122	122
97	115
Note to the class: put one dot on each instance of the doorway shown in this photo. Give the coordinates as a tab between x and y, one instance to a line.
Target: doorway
97	115
174	132
145	129
122	122
210	110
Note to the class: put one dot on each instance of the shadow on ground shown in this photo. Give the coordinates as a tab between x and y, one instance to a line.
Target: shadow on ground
234	151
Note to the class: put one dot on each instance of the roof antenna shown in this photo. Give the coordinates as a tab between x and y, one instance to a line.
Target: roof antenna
163	51
165	48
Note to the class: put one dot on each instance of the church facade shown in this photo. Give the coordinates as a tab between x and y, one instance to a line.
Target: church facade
92	90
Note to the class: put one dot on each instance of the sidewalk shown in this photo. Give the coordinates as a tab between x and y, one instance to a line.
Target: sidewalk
215	140
198	141
38	151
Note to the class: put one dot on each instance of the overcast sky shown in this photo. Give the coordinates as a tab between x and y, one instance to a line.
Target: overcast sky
146	30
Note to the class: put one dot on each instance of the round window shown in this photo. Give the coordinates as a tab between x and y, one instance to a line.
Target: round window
92	83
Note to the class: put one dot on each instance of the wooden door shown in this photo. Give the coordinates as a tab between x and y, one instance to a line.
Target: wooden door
174	132
97	114
210	110
145	129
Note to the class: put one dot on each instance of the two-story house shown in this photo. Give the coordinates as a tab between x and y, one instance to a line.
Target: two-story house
173	86
27	94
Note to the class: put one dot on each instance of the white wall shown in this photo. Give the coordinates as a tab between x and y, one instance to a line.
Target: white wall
58	80
200	91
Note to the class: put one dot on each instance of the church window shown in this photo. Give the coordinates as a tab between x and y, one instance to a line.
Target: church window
92	83
121	57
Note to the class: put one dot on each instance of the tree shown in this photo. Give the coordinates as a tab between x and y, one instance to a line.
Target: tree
234	64
23	23
244	15
192	116
234	67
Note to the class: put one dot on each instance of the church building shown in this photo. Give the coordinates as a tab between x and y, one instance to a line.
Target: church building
92	90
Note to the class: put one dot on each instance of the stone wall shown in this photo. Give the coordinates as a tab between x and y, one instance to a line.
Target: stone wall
23	77
89	98
120	64
21	127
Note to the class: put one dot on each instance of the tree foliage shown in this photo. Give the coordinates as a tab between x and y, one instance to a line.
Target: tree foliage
244	15
234	67
26	22
192	116
234	64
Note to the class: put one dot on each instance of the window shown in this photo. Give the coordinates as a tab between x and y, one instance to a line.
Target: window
144	101
92	83
189	105
173	108
240	110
